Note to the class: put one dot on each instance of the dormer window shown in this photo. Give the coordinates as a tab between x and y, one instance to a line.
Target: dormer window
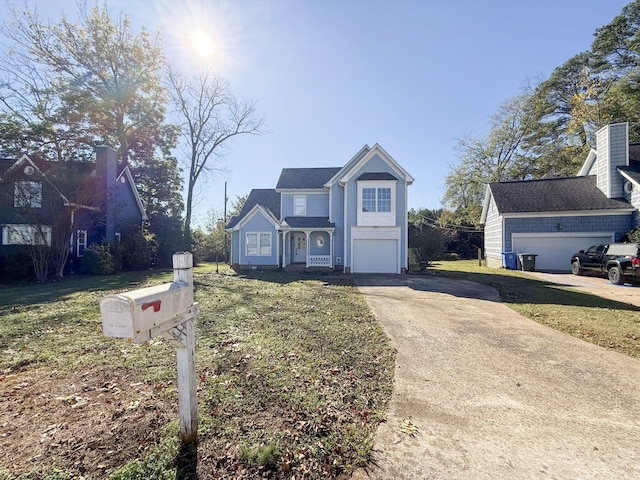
300	205
27	194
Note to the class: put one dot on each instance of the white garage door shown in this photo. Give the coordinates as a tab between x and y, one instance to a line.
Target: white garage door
375	256
554	251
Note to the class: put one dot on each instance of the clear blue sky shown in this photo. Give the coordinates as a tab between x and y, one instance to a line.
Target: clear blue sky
332	75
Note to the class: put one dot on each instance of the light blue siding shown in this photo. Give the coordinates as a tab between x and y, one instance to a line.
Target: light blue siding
127	213
376	164
235	250
317	204
330	204
258	224
337	217
314	248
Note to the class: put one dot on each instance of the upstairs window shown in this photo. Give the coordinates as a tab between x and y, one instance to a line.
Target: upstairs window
300	205
27	194
368	199
376	203
376	199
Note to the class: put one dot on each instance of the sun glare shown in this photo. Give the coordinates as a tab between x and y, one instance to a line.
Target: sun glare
212	33
202	44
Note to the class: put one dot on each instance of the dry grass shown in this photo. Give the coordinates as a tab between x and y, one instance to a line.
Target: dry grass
294	375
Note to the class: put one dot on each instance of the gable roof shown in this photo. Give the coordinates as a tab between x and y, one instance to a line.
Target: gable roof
568	194
305	178
126	172
267	198
362	157
9	165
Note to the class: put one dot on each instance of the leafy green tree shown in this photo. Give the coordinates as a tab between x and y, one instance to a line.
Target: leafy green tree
616	47
616	57
566	110
70	85
549	131
497	157
103	81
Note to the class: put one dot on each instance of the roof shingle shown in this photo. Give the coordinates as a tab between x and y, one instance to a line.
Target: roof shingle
309	222
553	195
305	178
376	176
266	197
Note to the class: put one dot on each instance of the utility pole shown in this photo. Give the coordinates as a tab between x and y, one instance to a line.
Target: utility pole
225	223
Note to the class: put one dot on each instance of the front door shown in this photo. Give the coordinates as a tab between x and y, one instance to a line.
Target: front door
299	248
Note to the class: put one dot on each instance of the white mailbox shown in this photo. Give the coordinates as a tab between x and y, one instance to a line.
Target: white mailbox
142	314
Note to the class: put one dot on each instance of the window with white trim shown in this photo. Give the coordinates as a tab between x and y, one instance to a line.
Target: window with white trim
258	244
18	234
27	194
376	203
376	199
300	205
81	242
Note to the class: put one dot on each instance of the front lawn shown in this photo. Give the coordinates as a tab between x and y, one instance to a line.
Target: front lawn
608	323
294	375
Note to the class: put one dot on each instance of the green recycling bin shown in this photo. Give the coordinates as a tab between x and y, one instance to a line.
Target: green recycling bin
527	261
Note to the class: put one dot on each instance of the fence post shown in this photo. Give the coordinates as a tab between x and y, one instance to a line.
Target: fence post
186	357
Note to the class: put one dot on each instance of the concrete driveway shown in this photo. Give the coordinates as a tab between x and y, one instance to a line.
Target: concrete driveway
595	284
495	395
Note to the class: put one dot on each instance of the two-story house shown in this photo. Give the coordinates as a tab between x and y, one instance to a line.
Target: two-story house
351	218
77	203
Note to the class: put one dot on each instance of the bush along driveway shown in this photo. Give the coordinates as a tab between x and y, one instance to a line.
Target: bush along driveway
483	392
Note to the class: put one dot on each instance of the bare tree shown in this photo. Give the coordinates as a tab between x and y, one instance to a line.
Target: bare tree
211	115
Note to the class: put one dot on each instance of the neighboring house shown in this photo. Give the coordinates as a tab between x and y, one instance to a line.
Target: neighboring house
351	218
555	218
87	202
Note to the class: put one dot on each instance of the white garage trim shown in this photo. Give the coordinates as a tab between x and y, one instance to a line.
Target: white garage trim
554	250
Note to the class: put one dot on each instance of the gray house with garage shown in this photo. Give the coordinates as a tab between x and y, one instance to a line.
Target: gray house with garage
351	218
557	217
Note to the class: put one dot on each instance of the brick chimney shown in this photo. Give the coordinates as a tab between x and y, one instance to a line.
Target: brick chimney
612	145
106	170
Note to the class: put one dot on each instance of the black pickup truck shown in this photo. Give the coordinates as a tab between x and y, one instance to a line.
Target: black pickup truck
619	261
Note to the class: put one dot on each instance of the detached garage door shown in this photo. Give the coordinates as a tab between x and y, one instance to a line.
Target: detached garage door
375	256
554	251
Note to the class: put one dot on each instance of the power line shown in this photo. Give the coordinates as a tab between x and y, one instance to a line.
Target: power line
459	228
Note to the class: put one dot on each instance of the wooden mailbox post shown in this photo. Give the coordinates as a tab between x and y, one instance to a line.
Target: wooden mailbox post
167	310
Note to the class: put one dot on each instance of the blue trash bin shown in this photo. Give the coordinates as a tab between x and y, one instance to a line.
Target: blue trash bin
509	260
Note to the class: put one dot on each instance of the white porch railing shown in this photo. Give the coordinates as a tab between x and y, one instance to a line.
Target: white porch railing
319	261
